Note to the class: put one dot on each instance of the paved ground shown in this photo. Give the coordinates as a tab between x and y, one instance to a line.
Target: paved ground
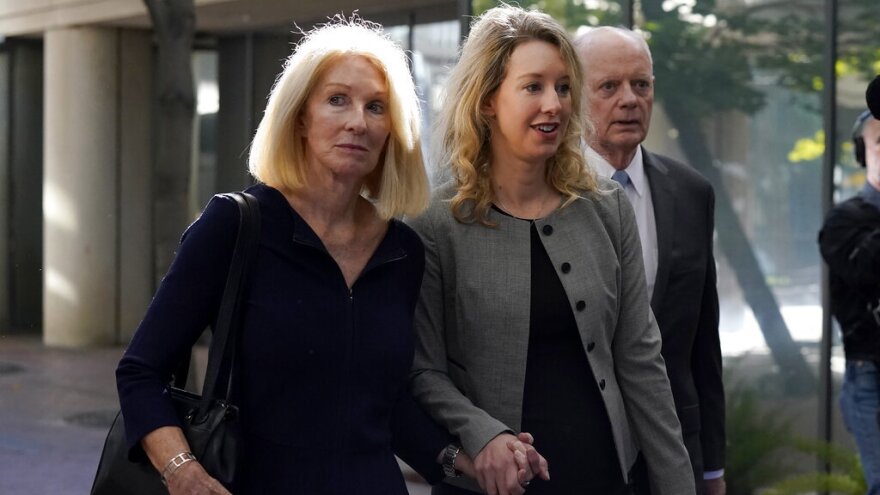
55	408
57	404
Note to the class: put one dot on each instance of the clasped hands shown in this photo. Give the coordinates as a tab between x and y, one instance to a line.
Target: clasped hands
507	464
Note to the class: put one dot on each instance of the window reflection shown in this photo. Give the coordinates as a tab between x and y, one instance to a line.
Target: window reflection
743	116
435	51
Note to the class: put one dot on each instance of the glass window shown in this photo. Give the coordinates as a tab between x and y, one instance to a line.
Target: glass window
204	171
739	98
435	51
729	103
400	35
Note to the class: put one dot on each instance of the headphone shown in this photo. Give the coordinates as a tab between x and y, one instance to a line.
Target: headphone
857	138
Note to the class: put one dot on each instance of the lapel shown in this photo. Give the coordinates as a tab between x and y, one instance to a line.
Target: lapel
663	198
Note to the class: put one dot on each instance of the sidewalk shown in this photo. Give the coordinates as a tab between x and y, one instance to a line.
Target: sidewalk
56	406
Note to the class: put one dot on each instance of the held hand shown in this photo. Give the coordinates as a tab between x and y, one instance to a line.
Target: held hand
530	462
497	470
192	479
465	465
715	486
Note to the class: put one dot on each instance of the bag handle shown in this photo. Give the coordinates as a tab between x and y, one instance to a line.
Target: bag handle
224	338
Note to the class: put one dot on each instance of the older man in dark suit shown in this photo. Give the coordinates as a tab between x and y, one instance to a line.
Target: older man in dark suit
674	208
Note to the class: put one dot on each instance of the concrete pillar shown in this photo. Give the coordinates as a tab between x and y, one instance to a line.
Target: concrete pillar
80	192
96	189
247	67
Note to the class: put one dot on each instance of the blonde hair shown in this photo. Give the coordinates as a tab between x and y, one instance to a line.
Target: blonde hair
463	129
399	185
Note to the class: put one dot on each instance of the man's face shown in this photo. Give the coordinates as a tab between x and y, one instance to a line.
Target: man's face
619	92
871	134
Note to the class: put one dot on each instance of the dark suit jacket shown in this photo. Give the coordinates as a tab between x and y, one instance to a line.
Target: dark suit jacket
685	303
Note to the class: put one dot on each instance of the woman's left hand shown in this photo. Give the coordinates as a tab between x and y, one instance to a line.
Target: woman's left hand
530	462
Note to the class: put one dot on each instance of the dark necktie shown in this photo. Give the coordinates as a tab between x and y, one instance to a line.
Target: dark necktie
621	177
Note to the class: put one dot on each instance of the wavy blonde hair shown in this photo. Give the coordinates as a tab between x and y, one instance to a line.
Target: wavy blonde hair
399	185
463	130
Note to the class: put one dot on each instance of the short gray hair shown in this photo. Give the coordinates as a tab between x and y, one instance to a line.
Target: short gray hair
583	39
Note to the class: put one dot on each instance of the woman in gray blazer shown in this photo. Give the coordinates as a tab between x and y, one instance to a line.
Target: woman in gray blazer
533	314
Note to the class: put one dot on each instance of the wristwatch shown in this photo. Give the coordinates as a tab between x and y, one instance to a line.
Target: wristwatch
449	456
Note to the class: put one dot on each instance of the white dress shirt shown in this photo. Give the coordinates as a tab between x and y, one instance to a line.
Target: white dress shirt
639	193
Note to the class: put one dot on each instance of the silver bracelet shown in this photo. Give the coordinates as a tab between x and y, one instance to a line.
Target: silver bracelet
174	464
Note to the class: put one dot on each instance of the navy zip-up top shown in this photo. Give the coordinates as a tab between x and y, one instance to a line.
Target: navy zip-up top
322	371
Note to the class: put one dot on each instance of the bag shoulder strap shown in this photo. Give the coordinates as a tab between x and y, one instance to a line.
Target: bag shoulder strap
228	323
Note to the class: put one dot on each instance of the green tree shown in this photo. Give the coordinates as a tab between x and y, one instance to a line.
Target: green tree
703	69
716	51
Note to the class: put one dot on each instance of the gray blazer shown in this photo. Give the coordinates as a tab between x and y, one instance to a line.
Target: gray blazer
472	326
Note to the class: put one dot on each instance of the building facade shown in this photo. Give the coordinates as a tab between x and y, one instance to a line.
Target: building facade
78	129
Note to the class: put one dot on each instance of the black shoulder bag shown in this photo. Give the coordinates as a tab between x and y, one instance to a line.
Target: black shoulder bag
210	422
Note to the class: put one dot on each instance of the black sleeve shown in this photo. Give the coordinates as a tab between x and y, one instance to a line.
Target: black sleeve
184	305
416	439
706	361
850	244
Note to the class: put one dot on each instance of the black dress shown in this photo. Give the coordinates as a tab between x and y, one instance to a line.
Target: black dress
562	406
